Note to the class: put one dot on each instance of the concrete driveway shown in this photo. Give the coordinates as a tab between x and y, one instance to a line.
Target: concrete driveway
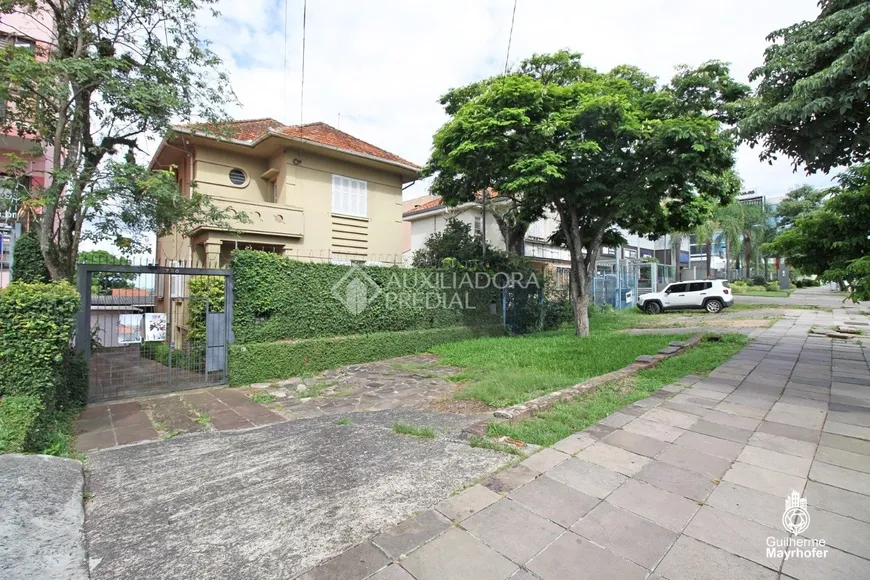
268	502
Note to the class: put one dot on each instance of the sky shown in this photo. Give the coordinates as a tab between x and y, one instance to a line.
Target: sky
380	65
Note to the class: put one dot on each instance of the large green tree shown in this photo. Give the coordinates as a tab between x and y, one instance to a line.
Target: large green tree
114	73
833	242
102	283
603	150
813	98
797	202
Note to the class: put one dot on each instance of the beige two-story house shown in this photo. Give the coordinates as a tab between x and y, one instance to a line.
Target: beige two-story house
309	192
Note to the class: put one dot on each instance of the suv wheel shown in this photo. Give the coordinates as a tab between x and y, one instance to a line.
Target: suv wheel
713	306
652	308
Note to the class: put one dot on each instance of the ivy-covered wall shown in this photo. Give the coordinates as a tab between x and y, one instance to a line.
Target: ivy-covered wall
39	375
277	298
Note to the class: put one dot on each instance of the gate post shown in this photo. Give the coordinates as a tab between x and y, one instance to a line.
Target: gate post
83	331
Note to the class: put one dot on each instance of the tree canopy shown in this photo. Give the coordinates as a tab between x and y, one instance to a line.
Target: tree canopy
114	73
603	150
813	98
797	202
832	242
102	283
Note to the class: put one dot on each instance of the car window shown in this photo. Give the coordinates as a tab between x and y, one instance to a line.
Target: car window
698	286
677	287
726	284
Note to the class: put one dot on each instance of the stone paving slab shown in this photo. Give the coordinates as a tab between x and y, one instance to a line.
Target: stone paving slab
689	484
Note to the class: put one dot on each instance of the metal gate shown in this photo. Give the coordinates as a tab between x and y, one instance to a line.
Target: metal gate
153	329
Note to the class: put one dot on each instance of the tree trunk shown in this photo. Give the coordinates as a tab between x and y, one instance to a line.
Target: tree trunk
747	254
709	257
727	260
580	303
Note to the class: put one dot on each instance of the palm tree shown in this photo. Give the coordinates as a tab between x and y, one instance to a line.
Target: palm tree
704	234
730	220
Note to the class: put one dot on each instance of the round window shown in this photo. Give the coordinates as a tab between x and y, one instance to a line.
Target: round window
238	177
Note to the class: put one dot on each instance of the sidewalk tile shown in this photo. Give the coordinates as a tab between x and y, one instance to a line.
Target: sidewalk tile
456	554
512	530
671	417
655	430
789	431
404	537
845	443
722	431
839	531
510	479
554	500
732	420
467	503
662	507
691	560
707	465
742	410
544	460
758	478
646	446
354	564
782	444
840	501
574	443
685	408
836	564
711	445
847	430
587	477
734	534
812	420
751	504
680	481
616	420
618	531
841	477
614	458
782	462
570	555
392	572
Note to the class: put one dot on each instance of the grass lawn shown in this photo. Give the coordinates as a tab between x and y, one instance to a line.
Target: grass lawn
767	294
564	419
508	370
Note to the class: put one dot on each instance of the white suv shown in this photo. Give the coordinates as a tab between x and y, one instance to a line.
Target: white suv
711	295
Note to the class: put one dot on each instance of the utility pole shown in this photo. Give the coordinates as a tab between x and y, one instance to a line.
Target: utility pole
483	225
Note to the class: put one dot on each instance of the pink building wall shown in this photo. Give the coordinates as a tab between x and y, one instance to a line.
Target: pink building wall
39	27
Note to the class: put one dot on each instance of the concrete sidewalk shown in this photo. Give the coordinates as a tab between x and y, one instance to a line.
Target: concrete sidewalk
689	484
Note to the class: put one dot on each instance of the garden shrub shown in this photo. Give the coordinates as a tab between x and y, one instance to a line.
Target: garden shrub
772	287
738	287
276	298
28	265
260	362
39	374
758	281
205	291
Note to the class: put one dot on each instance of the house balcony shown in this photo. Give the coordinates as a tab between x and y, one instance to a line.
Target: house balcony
266	219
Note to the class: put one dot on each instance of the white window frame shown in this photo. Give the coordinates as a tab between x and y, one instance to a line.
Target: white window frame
478	225
349	196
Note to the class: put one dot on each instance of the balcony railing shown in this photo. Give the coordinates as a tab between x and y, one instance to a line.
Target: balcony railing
264	218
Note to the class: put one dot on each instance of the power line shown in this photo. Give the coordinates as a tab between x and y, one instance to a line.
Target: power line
510	38
302	86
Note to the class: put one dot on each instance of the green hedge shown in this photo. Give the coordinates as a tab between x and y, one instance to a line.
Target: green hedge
28	265
39	374
262	362
277	298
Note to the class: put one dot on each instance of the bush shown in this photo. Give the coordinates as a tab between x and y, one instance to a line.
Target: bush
772	287
28	265
208	290
758	281
20	420
738	287
757	289
159	352
556	313
261	362
39	374
277	298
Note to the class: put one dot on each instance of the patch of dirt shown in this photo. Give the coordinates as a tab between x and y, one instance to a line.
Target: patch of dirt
460	406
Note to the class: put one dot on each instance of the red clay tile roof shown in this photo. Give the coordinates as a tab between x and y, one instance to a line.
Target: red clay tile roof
437	203
321	133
